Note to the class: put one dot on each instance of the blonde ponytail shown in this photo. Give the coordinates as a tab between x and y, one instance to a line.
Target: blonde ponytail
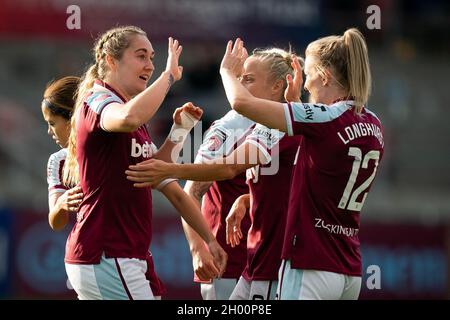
346	58
113	43
71	175
358	68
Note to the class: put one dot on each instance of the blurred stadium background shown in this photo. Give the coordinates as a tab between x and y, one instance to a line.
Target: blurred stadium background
406	220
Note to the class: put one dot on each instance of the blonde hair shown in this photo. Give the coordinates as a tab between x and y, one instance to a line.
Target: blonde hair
113	43
279	62
346	58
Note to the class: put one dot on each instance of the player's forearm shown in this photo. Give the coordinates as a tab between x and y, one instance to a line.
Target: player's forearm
238	96
265	112
192	216
195	190
142	107
205	172
195	242
188	211
169	151
57	216
244	200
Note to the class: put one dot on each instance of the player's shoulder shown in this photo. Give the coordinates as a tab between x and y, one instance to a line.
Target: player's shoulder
98	99
318	112
262	130
233	120
58	156
54	166
334	110
372	115
267	137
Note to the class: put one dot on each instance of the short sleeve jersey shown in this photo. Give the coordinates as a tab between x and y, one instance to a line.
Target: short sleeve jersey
115	218
269	189
338	161
55	167
224	136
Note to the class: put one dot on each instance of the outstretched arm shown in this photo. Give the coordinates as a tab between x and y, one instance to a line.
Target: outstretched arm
202	260
151	172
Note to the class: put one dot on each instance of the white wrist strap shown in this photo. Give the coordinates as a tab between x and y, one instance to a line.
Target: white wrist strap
179	132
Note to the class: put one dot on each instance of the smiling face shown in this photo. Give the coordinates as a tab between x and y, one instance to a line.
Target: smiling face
58	127
134	69
255	78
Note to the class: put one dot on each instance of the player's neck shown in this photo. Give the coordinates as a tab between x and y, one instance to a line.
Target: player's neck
117	87
335	94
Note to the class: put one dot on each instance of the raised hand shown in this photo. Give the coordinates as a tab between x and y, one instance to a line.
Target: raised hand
148	173
189	108
234	57
294	85
172	66
233	220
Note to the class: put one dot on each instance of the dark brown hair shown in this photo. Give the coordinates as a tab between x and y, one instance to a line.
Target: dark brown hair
60	96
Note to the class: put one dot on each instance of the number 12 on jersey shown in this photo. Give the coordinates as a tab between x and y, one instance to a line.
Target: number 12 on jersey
351	194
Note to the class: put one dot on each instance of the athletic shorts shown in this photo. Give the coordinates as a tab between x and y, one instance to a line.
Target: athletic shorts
298	284
115	279
218	289
254	290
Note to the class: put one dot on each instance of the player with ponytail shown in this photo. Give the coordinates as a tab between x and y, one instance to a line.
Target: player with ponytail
107	251
339	156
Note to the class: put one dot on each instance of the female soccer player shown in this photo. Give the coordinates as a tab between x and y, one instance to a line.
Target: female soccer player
342	146
265	75
107	249
224	136
57	106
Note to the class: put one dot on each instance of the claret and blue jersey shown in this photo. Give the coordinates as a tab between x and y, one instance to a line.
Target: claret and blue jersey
107	222
340	154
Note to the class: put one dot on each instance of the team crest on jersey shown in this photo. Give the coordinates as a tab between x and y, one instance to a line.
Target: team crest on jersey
216	141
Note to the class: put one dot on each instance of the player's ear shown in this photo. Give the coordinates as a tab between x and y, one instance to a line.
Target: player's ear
111	62
326	77
278	87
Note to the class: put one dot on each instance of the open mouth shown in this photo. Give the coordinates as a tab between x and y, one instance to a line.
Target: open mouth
144	77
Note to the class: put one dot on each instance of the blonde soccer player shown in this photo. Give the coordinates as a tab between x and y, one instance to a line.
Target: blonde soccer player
340	153
107	249
57	108
266	74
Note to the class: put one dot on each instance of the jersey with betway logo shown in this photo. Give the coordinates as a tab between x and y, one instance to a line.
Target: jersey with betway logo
115	218
146	150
